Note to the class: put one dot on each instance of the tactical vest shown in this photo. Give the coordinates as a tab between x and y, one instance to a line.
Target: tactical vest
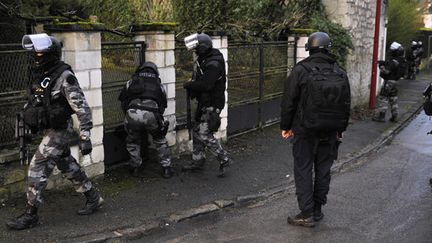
43	112
145	86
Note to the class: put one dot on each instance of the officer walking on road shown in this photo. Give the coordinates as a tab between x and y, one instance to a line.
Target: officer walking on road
53	98
208	89
391	71
144	100
315	111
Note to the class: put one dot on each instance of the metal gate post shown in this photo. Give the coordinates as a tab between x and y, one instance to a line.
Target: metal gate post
142	52
295	49
261	84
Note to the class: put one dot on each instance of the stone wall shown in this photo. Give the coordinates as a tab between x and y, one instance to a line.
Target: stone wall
358	16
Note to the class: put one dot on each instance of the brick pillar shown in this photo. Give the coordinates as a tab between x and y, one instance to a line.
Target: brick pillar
221	42
159	39
82	50
301	51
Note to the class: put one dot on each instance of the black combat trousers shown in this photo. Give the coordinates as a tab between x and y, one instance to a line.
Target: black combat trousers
313	156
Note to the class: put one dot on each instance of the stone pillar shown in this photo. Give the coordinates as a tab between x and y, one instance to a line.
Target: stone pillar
300	36
220	41
82	50
160	42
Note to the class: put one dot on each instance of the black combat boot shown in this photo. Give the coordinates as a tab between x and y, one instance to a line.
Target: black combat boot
394	117
167	172
380	117
26	220
194	165
134	171
94	201
317	213
222	167
302	219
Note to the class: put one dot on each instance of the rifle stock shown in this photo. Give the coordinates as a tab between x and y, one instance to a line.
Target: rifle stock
188	114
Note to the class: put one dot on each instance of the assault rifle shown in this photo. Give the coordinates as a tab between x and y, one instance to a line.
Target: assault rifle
188	110
22	134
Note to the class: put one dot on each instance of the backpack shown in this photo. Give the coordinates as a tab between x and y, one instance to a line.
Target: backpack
326	101
427	105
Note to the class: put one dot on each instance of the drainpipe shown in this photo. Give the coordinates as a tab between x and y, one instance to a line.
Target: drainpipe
373	86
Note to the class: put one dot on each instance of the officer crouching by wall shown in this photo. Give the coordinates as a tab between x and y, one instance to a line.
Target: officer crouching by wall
53	98
143	100
208	88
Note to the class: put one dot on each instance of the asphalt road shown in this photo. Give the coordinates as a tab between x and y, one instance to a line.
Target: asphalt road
383	198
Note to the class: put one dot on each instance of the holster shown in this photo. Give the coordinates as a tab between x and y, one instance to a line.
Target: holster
212	117
162	125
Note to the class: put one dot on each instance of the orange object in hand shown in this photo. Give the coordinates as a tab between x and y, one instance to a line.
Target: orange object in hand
287	134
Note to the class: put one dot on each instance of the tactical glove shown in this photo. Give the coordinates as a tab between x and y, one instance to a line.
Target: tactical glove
85	144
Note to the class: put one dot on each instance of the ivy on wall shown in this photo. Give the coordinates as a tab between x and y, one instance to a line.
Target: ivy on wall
341	38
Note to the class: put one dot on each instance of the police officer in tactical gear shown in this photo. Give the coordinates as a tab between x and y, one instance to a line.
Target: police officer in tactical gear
53	98
419	55
208	89
314	150
391	71
412	60
143	100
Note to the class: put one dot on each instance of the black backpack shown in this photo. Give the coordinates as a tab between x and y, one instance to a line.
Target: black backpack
402	67
427	105
326	101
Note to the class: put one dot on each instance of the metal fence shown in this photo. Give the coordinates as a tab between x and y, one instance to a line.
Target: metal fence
119	61
15	78
256	75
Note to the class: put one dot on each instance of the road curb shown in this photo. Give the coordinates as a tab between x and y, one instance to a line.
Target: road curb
385	138
135	232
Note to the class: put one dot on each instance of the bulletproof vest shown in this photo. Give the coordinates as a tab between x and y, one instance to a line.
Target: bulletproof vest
145	86
41	111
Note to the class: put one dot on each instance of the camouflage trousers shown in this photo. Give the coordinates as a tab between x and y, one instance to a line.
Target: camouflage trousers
136	122
203	138
383	105
54	151
387	96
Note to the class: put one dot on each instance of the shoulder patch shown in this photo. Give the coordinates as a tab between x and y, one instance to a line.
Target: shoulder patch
71	80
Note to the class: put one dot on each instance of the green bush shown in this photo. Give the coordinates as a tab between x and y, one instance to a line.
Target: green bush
341	38
403	21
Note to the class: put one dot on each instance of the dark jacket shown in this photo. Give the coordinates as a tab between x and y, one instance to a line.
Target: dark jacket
293	89
210	84
393	69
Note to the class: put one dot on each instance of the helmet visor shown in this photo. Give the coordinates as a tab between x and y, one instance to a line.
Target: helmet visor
191	41
395	46
38	42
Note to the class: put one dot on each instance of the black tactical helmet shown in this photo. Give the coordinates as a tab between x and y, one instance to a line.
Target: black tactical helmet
149	67
318	40
46	49
204	44
396	49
